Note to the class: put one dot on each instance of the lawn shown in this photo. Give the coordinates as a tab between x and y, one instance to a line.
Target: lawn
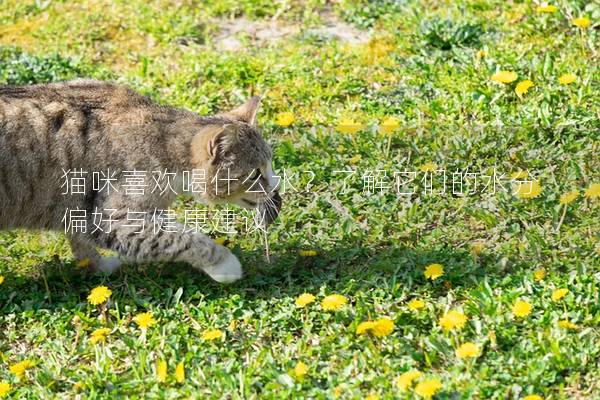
420	290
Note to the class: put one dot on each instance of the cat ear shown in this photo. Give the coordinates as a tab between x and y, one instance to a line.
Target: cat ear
218	142
246	112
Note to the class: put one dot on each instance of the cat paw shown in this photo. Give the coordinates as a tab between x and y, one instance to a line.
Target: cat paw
108	265
227	271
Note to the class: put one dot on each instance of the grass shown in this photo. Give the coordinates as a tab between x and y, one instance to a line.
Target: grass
429	66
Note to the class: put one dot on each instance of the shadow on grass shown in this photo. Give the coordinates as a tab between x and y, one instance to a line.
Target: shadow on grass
57	283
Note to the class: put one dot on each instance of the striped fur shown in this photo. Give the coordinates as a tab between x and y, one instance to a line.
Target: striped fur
96	126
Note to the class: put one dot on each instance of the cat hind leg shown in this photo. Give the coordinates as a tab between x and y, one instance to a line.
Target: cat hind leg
86	256
108	265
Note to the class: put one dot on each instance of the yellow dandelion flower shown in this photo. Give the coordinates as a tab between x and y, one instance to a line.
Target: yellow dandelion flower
593	192
380	327
533	397
566	324
521	308
504	76
333	302
416	304
220	240
233	324
285	119
300	370
304	299
567	79
528	190
307	253
569	197
1	279
372	396
355	159
434	271
428	167
4	388
519	175
559	294
406	379
337	392
19	368
99	335
389	125
523	87
180	372
546	8
453	320
349	126
467	350
161	371
99	295
144	320
383	327
539	274
481	54
212	334
428	388
83	263
364	327
582	22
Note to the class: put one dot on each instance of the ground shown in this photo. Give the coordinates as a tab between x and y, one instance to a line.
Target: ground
337	66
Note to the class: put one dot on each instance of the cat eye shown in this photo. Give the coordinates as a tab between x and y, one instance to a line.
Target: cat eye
257	174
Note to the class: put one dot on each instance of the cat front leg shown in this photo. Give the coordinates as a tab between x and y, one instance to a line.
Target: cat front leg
142	243
228	270
204	254
84	251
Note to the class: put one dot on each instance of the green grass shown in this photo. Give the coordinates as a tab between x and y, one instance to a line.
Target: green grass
422	66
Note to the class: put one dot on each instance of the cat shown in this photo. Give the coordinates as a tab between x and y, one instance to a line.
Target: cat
48	132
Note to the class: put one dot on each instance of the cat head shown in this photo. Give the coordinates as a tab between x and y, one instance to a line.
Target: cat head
237	162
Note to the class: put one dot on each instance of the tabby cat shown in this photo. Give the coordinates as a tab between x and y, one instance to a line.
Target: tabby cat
49	132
